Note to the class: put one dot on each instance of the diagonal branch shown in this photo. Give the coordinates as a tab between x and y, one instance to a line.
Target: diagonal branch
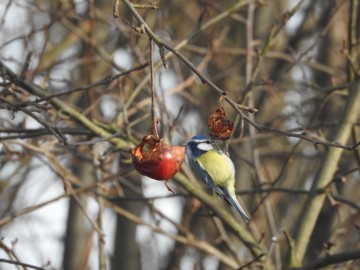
332	259
218	209
187	240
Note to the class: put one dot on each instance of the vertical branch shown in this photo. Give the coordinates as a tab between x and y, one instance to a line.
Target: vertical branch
89	55
332	156
154	119
251	74
116	7
326	172
102	256
97	161
353	35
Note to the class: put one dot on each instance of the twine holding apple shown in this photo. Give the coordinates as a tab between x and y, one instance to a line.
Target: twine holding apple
152	157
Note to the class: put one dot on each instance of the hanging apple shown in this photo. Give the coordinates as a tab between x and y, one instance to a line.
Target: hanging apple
157	160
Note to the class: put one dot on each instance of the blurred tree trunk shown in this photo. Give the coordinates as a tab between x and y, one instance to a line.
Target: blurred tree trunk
76	234
126	250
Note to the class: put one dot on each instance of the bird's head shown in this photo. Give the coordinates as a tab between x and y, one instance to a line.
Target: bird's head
198	145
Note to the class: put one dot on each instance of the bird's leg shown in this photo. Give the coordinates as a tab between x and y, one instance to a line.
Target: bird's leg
168	188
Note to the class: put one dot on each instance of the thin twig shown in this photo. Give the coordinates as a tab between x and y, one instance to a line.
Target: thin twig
48	126
22	264
146	6
154	119
201	245
30	209
65	108
97	158
104	81
235	106
325	174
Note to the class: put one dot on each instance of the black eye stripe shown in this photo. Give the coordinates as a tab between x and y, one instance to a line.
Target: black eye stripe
208	142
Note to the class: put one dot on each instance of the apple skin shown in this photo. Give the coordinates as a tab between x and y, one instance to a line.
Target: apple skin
160	161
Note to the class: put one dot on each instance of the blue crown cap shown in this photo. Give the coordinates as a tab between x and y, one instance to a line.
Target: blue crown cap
199	137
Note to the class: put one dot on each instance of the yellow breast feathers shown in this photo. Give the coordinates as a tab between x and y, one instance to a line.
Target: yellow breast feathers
219	166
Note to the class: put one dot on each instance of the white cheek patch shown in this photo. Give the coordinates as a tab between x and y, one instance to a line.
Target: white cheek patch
205	146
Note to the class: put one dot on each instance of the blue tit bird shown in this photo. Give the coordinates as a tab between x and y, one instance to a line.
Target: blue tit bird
215	169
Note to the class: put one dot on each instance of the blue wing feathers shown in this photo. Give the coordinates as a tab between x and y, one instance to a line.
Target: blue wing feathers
207	179
221	191
234	202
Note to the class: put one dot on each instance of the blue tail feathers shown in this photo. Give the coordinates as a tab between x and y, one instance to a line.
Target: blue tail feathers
234	202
